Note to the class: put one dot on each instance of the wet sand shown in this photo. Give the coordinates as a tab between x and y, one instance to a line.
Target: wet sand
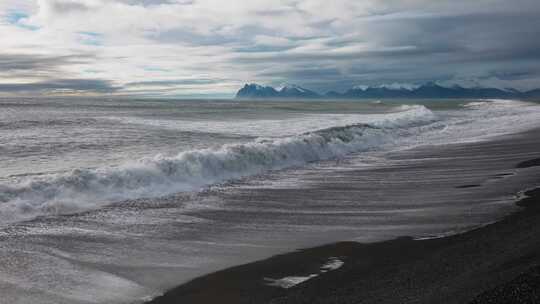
495	263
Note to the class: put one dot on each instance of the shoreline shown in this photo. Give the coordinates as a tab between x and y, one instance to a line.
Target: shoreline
371	270
441	174
474	266
477	266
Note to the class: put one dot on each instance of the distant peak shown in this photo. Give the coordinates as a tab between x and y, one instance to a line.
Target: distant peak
288	86
389	86
432	89
254	90
512	90
431	84
399	86
253	85
361	87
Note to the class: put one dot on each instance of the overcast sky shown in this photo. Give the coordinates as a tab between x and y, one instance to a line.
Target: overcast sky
209	48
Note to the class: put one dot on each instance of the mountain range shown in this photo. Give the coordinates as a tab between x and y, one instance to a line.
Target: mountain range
428	90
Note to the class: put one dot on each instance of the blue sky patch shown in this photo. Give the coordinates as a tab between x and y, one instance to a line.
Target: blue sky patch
90	38
16	18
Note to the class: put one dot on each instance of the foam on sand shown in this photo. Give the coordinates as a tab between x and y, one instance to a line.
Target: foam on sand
288	282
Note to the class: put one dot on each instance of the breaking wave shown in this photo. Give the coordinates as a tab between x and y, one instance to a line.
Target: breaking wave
84	189
495	103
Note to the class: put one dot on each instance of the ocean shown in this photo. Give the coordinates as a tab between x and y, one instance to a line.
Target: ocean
116	200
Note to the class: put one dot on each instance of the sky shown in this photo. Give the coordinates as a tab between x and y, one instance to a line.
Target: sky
210	48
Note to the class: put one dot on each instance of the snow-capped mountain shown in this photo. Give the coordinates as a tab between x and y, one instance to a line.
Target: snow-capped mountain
254	90
295	91
392	86
266	92
395	90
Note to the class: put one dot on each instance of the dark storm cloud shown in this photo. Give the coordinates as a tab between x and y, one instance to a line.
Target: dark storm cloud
19	62
513	75
484	36
65	6
199	46
418	49
317	56
29	68
60	85
307	73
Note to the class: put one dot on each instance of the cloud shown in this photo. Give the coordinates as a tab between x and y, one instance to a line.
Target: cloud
66	6
171	83
60	86
36	63
206	47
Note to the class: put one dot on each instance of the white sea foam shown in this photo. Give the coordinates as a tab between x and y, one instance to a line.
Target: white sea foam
496	103
493	117
332	264
84	189
291	281
288	282
410	125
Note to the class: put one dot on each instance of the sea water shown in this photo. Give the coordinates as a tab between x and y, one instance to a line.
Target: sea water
110	201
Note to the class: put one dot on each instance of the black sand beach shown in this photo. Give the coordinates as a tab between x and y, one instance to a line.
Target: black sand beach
495	263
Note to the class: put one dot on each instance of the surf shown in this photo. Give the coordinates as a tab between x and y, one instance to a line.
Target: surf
83	189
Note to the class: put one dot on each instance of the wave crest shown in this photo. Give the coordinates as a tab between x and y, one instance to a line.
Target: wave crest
496	103
84	189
